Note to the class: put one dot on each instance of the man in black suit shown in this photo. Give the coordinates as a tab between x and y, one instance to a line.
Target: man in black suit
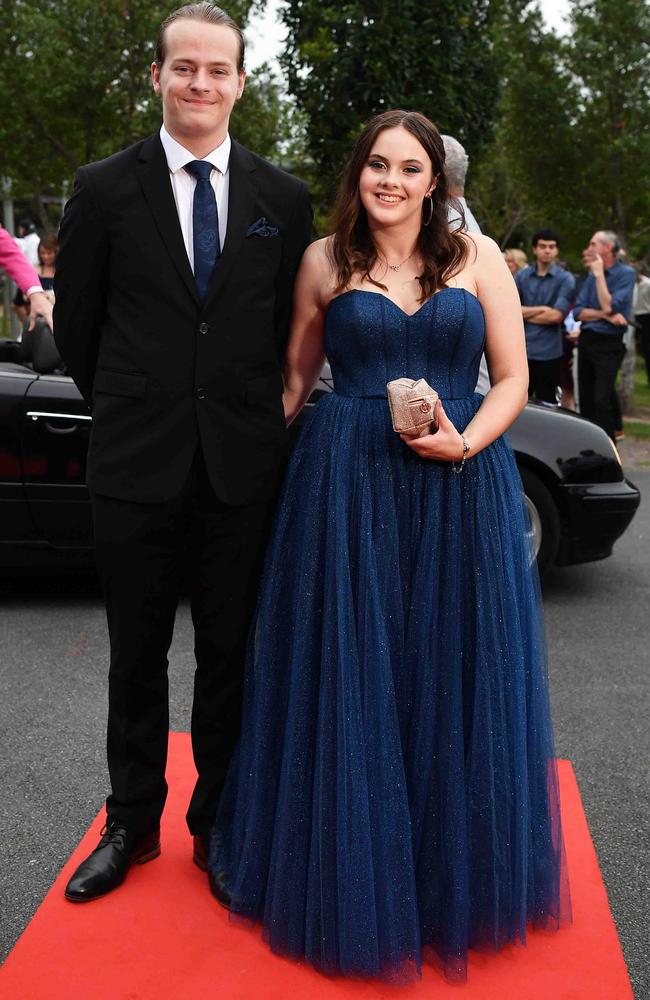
173	299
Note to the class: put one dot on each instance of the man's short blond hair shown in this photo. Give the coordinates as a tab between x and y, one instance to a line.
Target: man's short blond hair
203	11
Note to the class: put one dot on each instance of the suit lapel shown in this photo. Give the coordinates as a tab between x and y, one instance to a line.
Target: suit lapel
153	174
241	199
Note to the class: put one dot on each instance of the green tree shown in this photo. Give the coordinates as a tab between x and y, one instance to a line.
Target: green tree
347	62
259	119
573	128
74	86
525	177
610	57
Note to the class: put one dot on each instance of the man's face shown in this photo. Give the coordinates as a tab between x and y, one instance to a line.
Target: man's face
199	81
598	247
546	251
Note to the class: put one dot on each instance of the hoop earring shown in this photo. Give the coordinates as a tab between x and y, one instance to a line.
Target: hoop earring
428	222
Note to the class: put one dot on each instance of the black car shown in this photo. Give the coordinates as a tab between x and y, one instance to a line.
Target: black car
578	498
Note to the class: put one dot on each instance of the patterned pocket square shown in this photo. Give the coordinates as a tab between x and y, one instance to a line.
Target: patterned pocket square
262	228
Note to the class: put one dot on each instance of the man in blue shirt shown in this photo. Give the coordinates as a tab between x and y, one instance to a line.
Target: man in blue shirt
604	309
545	290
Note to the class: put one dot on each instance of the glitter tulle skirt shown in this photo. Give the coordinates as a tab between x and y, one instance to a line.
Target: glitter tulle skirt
394	794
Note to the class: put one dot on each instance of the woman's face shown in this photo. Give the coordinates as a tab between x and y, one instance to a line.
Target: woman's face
512	267
46	256
395	179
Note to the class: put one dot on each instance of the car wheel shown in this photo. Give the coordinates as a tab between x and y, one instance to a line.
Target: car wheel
544	520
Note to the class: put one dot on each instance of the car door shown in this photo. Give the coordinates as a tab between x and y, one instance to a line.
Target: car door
56	427
16	526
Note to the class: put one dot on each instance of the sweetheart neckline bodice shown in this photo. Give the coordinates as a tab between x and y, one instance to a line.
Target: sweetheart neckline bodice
381	295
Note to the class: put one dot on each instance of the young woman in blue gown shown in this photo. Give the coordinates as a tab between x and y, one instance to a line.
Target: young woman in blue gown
394	794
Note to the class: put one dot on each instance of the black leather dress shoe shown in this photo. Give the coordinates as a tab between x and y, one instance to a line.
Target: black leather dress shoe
216	882
107	866
201	852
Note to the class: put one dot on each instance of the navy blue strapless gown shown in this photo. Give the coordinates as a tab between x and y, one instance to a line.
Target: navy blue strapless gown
394	793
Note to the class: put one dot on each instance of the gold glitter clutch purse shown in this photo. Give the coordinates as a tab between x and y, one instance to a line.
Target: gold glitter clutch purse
412	405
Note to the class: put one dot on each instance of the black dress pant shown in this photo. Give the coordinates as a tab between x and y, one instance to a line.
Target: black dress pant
599	359
144	552
544	379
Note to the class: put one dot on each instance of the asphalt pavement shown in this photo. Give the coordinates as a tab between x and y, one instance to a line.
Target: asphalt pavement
53	708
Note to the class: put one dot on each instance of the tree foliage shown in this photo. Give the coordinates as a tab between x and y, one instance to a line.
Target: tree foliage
259	119
573	128
610	57
345	62
557	128
74	87
527	172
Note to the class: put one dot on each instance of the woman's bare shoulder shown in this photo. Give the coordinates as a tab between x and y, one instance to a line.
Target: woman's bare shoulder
484	259
317	253
480	247
317	268
316	261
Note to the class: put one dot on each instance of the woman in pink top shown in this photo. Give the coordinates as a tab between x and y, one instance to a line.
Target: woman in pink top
21	271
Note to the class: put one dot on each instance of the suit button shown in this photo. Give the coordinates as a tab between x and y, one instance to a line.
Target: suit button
201	393
203	328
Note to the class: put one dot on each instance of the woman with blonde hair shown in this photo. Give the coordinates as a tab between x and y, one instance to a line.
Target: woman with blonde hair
515	258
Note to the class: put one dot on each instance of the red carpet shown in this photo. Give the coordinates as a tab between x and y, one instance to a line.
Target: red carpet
162	936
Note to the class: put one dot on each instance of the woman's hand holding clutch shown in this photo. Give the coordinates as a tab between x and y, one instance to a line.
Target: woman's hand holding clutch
446	445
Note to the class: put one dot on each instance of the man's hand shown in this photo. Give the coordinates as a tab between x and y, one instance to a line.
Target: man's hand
618	319
39	307
594	263
596	266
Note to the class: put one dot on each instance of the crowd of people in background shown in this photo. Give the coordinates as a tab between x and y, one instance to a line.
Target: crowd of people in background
578	328
599	312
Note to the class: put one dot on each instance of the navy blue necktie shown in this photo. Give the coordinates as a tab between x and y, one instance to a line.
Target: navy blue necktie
205	222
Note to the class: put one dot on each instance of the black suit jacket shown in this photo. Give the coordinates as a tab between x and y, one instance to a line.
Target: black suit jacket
164	373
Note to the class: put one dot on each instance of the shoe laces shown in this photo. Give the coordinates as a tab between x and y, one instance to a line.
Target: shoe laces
113	833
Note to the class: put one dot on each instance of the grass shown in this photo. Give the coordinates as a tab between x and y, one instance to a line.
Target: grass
637	429
638	426
641	387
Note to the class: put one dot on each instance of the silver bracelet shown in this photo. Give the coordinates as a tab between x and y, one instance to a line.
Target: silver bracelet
466	447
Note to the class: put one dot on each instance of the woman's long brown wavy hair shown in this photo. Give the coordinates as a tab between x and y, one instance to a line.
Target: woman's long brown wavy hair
352	249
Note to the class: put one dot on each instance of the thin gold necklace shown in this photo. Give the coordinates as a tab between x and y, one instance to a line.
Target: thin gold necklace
396	267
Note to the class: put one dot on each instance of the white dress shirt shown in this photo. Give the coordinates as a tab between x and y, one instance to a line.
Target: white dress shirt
183	185
471	225
641	300
29	246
